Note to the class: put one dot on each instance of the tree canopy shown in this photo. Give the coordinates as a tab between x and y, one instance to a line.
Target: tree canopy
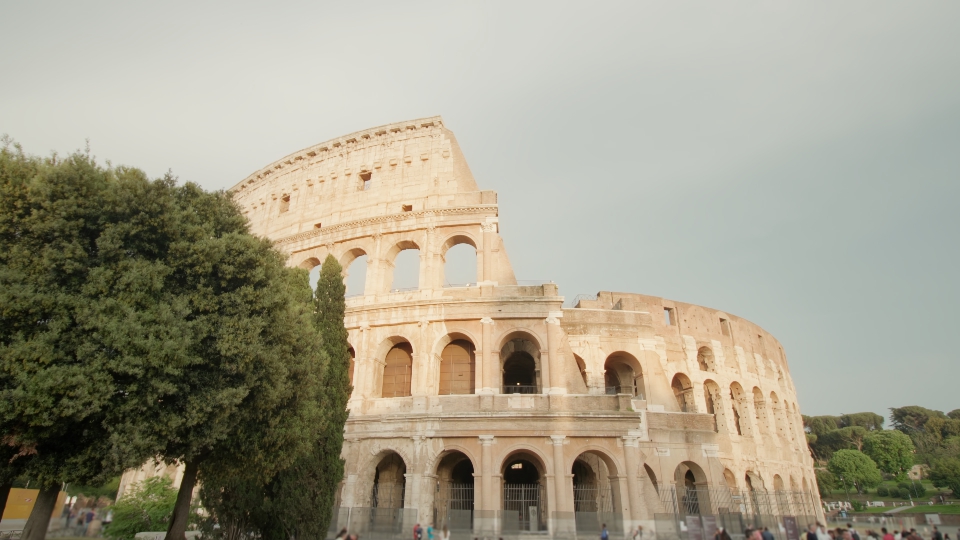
891	450
854	467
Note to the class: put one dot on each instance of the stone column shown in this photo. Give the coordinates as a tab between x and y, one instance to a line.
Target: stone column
562	496
489	364
489	245
631	455
555	371
485	520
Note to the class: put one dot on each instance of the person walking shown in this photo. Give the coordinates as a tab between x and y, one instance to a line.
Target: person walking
604	535
417	532
638	533
445	533
766	534
937	535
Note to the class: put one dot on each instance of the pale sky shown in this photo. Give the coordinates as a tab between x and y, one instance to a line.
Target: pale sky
793	163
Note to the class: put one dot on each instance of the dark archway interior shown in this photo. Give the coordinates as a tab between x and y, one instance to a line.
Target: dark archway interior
462	472
689	481
520	471
519	370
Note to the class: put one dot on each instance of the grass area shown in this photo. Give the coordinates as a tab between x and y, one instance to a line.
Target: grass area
934	509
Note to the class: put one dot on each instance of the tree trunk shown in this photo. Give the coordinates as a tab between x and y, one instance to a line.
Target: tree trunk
181	511
39	521
4	494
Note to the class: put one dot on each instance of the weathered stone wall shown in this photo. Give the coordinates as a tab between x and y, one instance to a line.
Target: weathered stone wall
611	379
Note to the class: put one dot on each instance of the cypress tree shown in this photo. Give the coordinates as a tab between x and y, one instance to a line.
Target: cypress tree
335	385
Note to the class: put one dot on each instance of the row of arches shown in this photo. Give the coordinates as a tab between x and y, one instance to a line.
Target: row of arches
770	414
707	362
401	268
594	489
453	362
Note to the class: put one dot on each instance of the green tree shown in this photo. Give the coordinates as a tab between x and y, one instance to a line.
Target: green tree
912	418
854	467
945	473
146	507
826	482
297	501
867	420
818	425
891	450
54	375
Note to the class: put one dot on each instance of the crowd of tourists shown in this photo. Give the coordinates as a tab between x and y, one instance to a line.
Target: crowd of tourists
819	532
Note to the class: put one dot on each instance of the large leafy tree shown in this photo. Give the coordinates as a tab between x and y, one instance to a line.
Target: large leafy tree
946	473
296	502
854	467
55	381
891	450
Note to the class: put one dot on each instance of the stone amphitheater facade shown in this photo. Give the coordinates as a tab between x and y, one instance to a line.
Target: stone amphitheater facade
490	406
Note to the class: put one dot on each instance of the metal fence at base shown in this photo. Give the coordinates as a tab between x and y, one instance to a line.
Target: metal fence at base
377	523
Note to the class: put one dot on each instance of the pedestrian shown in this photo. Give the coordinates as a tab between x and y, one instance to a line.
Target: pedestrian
109	519
822	532
853	532
417	532
766	534
604	535
445	533
638	534
724	535
937	535
811	532
430	531
342	535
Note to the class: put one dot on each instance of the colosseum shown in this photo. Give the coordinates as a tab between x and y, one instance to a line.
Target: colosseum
491	408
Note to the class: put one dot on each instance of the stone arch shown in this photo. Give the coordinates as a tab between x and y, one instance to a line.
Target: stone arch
692	493
741	417
309	263
652	476
458	366
683	392
706	360
383	480
396	374
777	413
596	485
582	366
524	474
753	481
452	241
350	258
760	412
713	399
520	364
623	374
391	266
729	479
455	490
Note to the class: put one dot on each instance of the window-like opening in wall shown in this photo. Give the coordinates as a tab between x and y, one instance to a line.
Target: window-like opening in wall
406	270
284	203
460	266
408	208
397	371
357	276
365	180
457	368
316	225
668	317
314	277
724	326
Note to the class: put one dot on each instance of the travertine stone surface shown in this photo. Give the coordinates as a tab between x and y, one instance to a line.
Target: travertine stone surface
622	393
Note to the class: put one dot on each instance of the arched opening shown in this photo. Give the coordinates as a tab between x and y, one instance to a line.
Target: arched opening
521	366
582	366
312	266
389	483
738	403
756	496
777	412
623	375
705	359
780	495
714	403
457	368
524	493
594	494
652	476
692	494
760	412
683	391
397	371
729	480
355	272
353	360
454	501
459	257
406	268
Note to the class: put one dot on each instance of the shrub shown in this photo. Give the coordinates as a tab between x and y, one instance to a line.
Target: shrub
857	506
904	493
882	491
147	508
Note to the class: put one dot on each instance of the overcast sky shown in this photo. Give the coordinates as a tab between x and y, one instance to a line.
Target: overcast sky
796	164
